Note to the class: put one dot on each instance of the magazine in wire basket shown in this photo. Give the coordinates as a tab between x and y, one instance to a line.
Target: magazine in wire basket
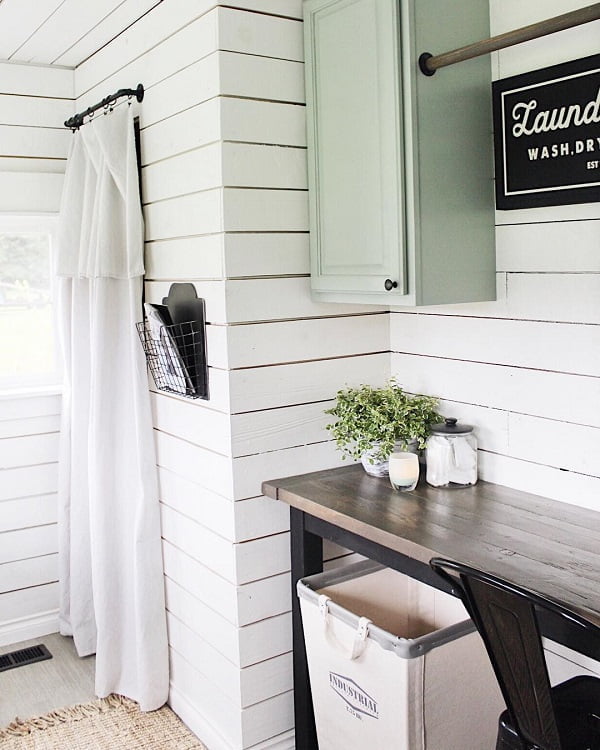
175	353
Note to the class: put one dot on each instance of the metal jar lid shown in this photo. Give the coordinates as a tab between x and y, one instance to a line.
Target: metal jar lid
451	426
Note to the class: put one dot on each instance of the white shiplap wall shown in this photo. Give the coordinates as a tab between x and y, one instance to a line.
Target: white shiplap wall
525	369
34	102
225	204
28	540
224	188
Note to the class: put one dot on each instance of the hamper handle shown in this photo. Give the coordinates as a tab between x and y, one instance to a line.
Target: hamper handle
360	635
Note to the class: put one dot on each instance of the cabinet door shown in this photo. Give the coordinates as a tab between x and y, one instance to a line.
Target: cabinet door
354	116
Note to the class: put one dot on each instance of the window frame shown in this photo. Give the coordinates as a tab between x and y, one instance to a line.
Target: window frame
49	382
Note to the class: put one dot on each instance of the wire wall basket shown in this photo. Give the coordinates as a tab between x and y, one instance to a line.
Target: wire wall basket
176	356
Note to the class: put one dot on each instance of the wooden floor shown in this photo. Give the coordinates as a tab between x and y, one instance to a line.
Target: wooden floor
35	689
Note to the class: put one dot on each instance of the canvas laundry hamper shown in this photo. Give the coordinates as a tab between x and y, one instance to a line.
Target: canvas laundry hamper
416	677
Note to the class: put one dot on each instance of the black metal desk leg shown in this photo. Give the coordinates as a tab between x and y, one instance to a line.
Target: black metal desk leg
307	558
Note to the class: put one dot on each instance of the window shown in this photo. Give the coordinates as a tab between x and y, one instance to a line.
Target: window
29	354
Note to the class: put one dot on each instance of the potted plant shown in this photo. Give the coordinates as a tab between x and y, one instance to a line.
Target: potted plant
371	423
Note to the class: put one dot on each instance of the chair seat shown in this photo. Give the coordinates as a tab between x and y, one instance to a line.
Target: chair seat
577	708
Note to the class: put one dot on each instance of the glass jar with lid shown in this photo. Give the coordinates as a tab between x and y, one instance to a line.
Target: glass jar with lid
451	455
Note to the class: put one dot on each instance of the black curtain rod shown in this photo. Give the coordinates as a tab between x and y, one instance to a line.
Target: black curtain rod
75	122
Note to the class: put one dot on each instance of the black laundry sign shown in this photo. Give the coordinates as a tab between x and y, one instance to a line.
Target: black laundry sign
547	136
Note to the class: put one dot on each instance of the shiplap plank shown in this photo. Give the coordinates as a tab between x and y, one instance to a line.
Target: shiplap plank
295	341
253	254
548	214
242	646
186	258
259	432
251	471
30	192
200	213
182	132
274	299
262	166
17	605
204	658
490	425
190	172
566	486
239	563
286	8
260	599
199	543
494	309
256	388
29	426
109	27
27	481
248	210
28	406
258	34
27	573
238	522
217	389
557	444
203	426
171	36
261	78
67	24
548	50
251	300
213	511
567	247
562	348
255	121
199	580
566	297
191	86
260	558
27	512
203	620
34	142
34	110
532	392
239	604
31	164
260	516
28	450
240	728
34	80
18	21
25	543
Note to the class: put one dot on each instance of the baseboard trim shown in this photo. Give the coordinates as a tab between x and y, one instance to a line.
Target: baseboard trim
207	734
26	628
196	722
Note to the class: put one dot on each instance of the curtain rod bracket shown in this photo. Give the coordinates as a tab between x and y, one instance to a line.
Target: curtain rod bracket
428	63
423	64
75	122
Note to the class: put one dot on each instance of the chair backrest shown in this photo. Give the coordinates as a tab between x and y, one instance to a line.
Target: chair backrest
505	616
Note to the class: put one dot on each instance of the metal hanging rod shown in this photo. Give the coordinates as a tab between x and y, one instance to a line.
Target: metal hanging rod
429	63
76	121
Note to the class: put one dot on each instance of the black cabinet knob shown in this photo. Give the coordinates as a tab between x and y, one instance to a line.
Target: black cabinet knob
389	285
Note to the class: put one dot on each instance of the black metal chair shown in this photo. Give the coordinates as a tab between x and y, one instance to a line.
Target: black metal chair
538	716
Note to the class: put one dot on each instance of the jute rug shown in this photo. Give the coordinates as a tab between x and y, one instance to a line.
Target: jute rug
113	723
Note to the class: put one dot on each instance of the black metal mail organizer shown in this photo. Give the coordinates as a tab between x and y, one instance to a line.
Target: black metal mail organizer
174	342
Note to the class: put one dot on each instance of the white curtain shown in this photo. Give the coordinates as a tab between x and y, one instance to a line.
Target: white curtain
112	596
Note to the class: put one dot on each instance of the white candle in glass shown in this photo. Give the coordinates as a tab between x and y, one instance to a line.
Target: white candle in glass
404	471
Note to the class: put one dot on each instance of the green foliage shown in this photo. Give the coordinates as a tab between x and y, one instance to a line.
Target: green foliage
383	416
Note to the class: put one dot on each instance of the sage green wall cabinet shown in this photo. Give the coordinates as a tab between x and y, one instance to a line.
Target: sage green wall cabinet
400	164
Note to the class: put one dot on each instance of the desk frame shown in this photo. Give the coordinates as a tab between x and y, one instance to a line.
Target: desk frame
559	553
